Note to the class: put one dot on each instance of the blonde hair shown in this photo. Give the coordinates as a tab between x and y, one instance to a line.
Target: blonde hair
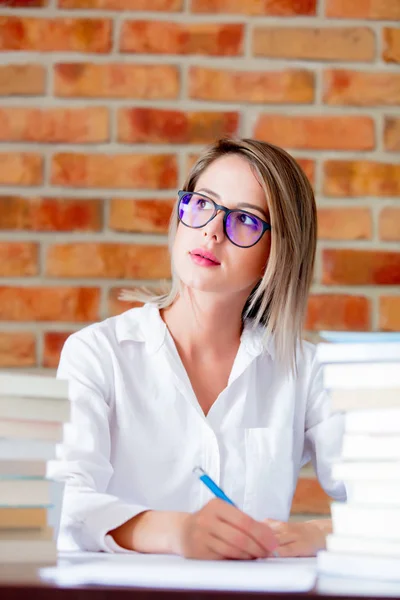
279	300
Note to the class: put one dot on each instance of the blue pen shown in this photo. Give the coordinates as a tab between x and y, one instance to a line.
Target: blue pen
212	486
216	490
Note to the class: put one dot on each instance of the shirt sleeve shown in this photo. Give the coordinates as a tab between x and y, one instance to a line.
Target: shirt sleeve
323	434
83	459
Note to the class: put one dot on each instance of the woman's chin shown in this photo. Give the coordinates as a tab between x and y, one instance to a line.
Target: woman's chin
213	285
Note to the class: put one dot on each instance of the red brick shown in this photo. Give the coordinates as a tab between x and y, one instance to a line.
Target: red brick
54	125
26	3
153	125
50	214
315	43
363	9
290	86
53	344
117	306
21	168
338	312
140	215
55	35
282	8
391	40
357	88
360	267
88	80
338	132
307	164
361	178
154	5
161	37
18	259
73	304
389	313
308	167
310	498
344	223
392	133
389	224
154	171
109	260
22	80
17	349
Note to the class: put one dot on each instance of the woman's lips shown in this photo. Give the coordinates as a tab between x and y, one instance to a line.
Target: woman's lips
204	258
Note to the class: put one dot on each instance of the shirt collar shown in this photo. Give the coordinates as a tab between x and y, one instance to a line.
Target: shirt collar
142	324
145	324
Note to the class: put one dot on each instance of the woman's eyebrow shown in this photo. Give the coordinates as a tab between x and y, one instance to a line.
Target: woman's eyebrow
207	191
241	204
247	205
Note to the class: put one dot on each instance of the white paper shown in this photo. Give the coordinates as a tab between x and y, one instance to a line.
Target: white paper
161	571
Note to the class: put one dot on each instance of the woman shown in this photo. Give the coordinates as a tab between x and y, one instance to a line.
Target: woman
213	374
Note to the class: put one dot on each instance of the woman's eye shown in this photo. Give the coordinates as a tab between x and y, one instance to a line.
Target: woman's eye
247	220
203	204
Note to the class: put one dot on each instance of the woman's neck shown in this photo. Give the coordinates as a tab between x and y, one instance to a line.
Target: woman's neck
202	324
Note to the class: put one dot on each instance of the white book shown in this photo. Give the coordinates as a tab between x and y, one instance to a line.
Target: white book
23	468
35	409
31	430
358	446
362	399
354	545
32	386
39	533
361	337
26	450
358	352
362	375
25	492
373	493
28	551
358	565
357	470
366	521
373	421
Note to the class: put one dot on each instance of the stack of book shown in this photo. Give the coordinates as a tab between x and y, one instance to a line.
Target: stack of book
33	409
362	375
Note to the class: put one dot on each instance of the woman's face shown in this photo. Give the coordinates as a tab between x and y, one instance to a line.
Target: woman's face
230	182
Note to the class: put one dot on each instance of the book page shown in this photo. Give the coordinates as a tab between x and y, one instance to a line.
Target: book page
162	571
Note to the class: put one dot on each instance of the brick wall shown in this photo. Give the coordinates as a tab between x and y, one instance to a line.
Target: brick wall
105	103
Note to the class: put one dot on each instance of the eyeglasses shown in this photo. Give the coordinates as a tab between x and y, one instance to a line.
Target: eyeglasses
241	228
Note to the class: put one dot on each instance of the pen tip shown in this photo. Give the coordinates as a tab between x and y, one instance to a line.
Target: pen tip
198	471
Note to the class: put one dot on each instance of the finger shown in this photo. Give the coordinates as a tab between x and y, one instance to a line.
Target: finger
211	554
286	537
284	532
240	540
225	550
295	549
274	524
260	532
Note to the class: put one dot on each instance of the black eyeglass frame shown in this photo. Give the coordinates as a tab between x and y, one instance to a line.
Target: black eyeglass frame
227	211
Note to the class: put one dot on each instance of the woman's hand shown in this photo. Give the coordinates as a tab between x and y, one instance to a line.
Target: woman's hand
220	530
300	539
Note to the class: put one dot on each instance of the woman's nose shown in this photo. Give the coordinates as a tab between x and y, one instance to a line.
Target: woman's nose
215	228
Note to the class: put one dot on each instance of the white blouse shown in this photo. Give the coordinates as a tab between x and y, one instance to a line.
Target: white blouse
137	430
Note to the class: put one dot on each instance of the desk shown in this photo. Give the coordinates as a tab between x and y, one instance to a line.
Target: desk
23	582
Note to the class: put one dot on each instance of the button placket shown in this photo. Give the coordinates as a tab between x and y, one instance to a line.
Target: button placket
211	460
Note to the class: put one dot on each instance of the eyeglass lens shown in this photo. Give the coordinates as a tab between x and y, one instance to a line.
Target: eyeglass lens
242	228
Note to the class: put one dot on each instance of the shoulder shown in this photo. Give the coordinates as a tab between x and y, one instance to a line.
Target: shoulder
306	353
102	337
309	372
